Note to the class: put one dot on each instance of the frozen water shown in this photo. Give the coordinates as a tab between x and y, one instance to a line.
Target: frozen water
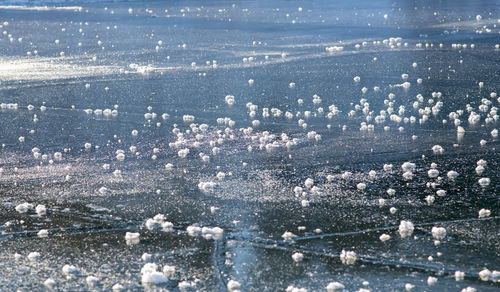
249	146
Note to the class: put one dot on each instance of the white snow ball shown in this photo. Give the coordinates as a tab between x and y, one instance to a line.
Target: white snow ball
438	233
348	257
483	213
408	166
452	174
132	238
485	274
70	270
409	287
34	256
484	182
335	287
431	280
169	271
118	287
437	149
297	257
92	281
405	228
288	235
441	193
361	186
50	283
459	276
309	182
193	230
24	208
43	233
233	285
41	210
433	173
384	237
154	277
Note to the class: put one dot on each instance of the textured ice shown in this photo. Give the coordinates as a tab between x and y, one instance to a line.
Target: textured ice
302	146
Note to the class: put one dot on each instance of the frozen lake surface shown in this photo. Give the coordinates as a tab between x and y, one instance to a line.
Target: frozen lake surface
253	146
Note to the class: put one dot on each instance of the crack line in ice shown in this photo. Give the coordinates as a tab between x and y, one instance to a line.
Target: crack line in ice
218	262
288	59
59	232
364	259
395	227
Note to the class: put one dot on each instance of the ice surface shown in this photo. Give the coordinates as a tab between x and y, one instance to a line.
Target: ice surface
252	146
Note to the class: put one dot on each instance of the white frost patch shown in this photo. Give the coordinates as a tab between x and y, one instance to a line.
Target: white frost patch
151	275
408	166
92	281
70	270
169	271
384	237
405	228
441	193
361	186
437	149
132	238
309	183
431	280
292	288
34	256
207	187
24	208
233	285
485	275
334	287
459	276
297	257
41	210
288	236
212	233
50	283
433	173
43	233
230	99
148	268
483	213
146	257
484	182
157	222
193	230
452	174
348	257
118	287
183	152
185	286
438	233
